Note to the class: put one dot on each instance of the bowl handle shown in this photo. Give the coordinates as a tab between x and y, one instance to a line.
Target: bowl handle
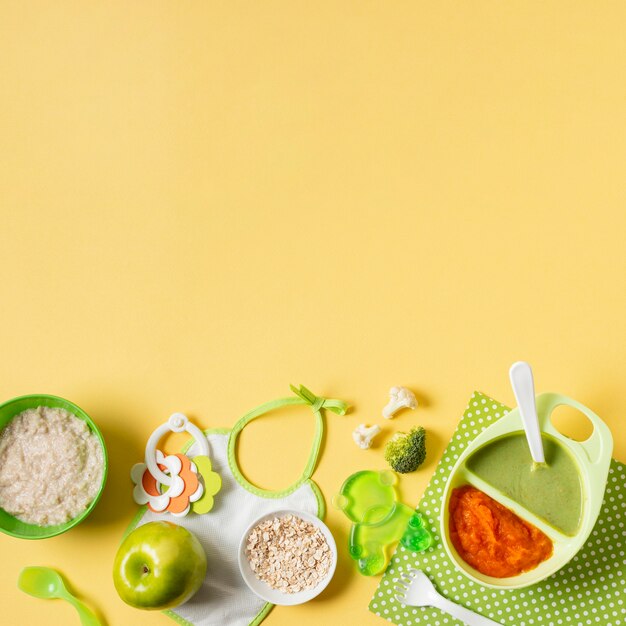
599	446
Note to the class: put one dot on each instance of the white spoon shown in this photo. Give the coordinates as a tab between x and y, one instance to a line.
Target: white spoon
416	589
524	389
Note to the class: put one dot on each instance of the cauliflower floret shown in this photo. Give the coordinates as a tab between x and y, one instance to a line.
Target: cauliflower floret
363	435
399	398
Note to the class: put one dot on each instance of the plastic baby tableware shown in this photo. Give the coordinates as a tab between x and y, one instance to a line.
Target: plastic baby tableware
175	483
592	459
524	389
8	410
415	589
46	583
368	499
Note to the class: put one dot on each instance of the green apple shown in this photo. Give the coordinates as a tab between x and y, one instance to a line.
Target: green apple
159	566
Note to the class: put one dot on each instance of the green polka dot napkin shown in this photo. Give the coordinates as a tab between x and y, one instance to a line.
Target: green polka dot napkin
590	589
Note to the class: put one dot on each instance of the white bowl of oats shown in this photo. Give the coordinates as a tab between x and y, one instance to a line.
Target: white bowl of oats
287	557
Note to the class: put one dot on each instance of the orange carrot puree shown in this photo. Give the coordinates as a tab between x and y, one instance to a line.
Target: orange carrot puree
491	538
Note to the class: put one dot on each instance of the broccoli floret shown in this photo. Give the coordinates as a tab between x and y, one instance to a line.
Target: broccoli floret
406	451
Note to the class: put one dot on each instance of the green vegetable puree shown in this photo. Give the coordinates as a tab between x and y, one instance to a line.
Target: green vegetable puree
552	492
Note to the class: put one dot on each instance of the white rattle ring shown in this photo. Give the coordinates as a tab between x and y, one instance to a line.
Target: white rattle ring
177	423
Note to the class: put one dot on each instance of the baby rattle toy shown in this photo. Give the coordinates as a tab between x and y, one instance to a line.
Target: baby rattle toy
175	483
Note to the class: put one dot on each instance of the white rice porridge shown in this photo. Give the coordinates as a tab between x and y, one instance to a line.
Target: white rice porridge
51	466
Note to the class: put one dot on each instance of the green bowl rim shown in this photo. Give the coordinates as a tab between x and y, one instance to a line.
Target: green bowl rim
59	529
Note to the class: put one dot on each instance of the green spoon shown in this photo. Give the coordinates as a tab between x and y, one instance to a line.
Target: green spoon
46	583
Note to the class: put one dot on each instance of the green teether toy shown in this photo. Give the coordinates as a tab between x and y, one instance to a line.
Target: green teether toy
369	500
212	484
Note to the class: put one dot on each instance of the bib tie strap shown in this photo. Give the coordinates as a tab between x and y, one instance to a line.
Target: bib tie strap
317	402
304	397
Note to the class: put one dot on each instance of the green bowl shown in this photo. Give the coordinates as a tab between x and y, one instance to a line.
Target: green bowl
593	458
13	526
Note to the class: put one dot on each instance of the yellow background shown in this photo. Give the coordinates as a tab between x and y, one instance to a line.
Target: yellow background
202	202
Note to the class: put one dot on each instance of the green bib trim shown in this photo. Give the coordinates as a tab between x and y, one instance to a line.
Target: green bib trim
303	397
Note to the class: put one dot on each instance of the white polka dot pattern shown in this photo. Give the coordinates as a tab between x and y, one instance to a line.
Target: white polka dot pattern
589	590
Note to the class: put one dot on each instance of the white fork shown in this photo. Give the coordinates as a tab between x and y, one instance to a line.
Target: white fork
415	589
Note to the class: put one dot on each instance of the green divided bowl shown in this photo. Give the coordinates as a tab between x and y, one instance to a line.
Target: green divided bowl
593	458
13	526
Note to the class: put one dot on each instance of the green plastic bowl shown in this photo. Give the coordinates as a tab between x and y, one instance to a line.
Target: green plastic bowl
593	458
11	525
